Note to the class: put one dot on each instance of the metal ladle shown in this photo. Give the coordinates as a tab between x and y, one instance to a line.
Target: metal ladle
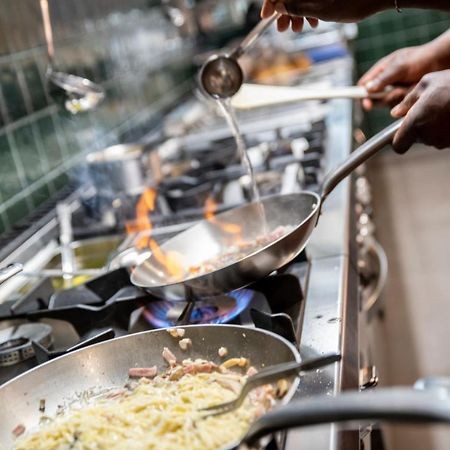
82	93
221	75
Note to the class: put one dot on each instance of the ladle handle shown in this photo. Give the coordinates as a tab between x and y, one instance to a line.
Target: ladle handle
48	31
359	156
389	405
254	34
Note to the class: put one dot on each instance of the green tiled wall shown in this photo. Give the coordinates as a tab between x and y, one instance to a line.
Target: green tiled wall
388	31
130	47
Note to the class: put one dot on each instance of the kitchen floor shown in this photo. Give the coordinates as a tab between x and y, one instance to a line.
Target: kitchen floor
412	209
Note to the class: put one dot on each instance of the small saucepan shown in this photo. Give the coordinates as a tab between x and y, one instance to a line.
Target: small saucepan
206	241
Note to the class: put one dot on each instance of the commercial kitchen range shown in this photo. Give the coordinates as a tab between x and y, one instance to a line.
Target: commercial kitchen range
318	301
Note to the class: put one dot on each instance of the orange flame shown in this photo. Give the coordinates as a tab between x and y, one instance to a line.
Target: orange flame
142	224
210	211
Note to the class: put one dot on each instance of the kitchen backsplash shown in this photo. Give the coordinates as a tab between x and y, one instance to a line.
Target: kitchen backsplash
130	47
136	53
388	31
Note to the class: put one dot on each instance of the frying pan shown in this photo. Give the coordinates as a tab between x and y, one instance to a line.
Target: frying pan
106	365
206	240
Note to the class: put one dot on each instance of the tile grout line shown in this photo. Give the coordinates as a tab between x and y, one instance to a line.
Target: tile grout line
19	167
68	164
26	120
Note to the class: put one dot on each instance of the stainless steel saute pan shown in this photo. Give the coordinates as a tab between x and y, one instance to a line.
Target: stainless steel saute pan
106	365
206	240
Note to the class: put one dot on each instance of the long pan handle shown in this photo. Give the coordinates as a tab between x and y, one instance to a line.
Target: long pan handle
389	405
359	156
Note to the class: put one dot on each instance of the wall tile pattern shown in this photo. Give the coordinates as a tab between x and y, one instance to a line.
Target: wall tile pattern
388	31
131	48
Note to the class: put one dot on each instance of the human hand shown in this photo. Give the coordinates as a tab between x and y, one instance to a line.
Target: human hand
285	21
426	110
293	11
402	69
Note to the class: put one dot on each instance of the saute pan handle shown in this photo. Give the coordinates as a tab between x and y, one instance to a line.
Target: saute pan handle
359	156
391	405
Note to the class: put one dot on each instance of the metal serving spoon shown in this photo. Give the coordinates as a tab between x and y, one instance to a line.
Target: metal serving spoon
270	375
82	93
221	75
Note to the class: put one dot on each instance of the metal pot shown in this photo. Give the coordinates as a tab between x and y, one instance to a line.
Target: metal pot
118	169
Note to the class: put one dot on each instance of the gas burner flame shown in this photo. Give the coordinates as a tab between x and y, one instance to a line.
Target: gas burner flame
170	261
210	215
216	310
143	226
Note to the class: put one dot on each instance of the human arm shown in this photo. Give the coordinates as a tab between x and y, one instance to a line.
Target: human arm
404	68
339	10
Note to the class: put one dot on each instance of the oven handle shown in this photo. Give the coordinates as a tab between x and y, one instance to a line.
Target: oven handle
377	250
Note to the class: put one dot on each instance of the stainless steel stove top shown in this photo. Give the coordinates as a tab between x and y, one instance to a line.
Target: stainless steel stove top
309	141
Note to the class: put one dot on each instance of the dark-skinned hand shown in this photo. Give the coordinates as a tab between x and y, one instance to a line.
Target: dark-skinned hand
404	68
426	112
329	10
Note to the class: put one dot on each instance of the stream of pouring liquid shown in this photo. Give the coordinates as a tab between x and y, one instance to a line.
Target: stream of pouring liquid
230	117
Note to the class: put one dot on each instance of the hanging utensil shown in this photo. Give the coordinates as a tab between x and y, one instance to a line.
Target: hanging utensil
221	75
83	94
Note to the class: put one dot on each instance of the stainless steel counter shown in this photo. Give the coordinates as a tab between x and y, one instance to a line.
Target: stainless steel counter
330	318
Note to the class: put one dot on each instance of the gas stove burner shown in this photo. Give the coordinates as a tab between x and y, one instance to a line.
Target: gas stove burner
222	309
15	342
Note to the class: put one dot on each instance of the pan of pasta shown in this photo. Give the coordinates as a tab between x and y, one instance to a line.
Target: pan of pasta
146	391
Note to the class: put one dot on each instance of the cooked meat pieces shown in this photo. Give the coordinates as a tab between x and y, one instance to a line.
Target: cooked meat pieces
140	372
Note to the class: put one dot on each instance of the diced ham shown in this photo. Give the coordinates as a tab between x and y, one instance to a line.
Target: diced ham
19	430
185	343
223	351
251	371
206	367
176	332
169	357
199	366
176	374
190	369
140	372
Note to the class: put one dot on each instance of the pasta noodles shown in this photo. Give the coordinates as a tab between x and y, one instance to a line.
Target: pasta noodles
160	413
